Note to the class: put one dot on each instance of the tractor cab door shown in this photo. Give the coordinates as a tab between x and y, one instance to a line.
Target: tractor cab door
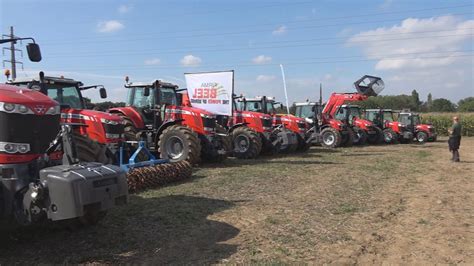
166	99
407	119
143	103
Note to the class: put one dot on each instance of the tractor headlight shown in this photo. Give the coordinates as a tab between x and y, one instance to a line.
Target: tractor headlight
108	122
9	147
9	107
53	110
22	109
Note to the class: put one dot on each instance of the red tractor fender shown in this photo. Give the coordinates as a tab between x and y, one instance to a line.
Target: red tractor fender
233	127
131	113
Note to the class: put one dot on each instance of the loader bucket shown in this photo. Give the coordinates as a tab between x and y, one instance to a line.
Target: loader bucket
369	85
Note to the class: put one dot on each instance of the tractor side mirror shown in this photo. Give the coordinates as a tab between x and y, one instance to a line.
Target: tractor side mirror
34	52
103	93
146	92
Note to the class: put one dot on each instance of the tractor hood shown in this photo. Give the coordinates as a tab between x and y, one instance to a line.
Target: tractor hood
37	102
91	115
198	111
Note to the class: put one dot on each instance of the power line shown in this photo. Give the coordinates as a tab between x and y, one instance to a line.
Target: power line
467	53
265	47
185	49
151	37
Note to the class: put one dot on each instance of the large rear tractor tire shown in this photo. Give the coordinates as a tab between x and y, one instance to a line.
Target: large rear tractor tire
360	136
91	151
224	142
247	144
330	138
377	138
421	137
179	143
130	131
389	136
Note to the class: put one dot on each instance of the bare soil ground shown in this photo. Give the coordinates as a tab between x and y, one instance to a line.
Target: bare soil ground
394	204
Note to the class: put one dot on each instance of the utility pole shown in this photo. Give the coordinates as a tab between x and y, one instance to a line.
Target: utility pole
13	50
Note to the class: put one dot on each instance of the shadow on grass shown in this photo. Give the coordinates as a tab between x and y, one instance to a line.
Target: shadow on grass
163	230
362	154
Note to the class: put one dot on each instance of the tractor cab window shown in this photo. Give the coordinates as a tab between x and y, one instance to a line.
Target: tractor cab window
404	119
65	95
254	106
271	108
168	96
137	98
416	120
372	116
354	112
388	116
305	111
341	114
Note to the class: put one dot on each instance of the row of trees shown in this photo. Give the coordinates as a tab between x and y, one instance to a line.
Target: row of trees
414	103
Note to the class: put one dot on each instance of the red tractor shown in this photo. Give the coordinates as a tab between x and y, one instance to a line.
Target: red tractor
154	113
338	124
252	132
97	134
393	131
422	132
289	128
37	182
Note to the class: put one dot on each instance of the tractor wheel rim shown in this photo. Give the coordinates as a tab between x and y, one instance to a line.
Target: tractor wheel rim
329	139
421	138
175	147
242	143
388	137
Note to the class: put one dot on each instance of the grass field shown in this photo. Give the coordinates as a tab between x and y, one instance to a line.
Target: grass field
393	204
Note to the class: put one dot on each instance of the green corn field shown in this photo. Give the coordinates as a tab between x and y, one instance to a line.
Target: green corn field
443	121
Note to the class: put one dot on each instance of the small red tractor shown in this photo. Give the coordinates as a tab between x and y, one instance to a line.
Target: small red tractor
291	130
337	124
393	131
154	113
422	132
97	134
40	177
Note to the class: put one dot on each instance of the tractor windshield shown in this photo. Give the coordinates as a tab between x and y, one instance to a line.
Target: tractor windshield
254	106
416	119
355	112
304	111
137	98
65	94
168	96
404	119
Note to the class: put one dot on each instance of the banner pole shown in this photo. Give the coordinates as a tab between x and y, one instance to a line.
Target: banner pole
284	87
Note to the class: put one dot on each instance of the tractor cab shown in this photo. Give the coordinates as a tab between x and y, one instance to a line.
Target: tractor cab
379	117
422	132
308	111
147	97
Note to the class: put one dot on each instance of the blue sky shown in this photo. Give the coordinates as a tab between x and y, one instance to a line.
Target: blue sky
423	45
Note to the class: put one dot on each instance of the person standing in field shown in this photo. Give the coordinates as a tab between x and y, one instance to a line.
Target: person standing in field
455	139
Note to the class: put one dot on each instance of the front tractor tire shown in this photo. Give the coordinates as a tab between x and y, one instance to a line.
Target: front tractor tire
360	136
247	143
330	138
421	137
389	136
179	143
377	138
89	150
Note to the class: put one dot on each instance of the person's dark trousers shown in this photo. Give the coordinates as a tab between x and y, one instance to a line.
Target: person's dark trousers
454	143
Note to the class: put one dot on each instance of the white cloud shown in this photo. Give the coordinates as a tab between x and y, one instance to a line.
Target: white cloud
280	30
191	60
109	26
152	61
412	59
122	9
265	78
261	59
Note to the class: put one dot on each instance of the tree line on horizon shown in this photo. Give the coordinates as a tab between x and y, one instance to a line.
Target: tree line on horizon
396	102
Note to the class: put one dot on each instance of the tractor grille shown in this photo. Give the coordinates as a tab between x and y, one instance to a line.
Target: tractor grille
37	130
209	122
266	123
113	129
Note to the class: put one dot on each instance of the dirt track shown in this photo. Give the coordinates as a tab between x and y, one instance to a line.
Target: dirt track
367	205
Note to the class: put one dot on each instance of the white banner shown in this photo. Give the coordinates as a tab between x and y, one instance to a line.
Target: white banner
211	91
